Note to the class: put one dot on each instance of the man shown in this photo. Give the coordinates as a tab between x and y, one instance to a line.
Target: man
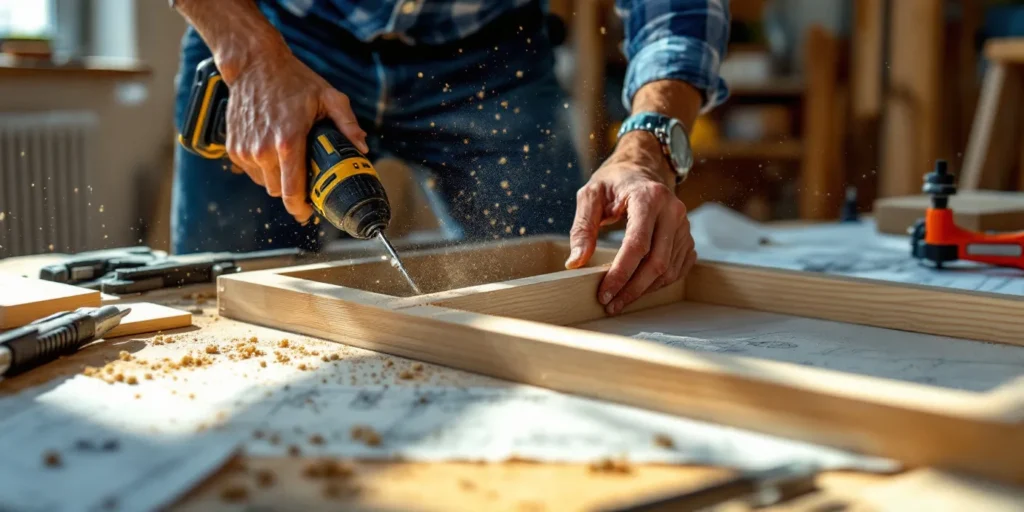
464	89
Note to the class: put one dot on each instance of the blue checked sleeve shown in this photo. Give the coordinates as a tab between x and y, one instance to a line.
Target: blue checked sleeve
675	39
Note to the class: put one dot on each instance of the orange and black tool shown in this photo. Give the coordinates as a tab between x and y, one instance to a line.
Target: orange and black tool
937	240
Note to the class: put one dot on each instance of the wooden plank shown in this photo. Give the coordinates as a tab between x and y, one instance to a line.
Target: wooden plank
913	97
940	491
929	310
919	425
544	298
867	59
23	299
977	210
148	317
588	81
820	190
990	150
1005	49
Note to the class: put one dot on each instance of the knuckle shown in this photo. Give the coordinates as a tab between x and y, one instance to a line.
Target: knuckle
657	265
637	244
261	150
657	191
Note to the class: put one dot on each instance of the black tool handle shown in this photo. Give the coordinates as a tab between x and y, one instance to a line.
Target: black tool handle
32	348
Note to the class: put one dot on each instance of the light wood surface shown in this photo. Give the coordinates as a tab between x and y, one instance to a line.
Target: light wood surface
941	491
913	98
821	173
148	317
992	148
23	300
929	310
1009	49
964	430
976	210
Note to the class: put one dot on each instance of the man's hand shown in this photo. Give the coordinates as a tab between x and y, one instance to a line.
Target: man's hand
657	249
275	99
274	103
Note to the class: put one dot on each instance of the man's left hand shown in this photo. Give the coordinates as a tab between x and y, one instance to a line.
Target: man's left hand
635	182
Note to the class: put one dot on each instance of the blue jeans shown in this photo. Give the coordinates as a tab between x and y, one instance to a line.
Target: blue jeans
485	130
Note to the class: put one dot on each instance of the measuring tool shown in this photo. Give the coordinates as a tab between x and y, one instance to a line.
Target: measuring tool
937	239
343	185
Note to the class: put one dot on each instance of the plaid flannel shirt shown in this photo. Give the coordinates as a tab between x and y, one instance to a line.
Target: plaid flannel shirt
678	39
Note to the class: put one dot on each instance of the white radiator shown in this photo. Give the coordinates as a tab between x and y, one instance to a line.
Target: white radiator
45	170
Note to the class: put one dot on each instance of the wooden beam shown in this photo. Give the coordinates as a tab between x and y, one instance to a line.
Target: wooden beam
867	59
913	98
919	425
24	300
147	317
906	307
1008	49
821	180
996	130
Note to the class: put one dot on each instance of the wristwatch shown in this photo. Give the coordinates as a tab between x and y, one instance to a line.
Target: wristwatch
675	144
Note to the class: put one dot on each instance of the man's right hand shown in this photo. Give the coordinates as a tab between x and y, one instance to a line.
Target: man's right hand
273	104
274	101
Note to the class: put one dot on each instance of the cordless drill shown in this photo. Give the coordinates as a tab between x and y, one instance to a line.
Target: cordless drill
343	185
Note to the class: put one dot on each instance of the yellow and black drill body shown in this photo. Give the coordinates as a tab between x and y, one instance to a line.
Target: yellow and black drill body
343	185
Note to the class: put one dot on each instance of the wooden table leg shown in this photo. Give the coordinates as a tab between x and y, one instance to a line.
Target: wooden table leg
990	150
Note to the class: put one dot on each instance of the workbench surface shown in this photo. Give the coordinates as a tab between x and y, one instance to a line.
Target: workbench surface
244	482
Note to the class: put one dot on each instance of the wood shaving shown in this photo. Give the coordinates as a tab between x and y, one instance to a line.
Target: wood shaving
281	357
212	349
124	355
265	478
235	494
263	364
366	435
335	357
148	376
417	367
302	366
316	439
407	375
52	459
284	343
132	380
664	441
294	451
609	465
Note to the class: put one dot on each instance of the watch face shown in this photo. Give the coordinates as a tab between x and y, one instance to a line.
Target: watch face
679	145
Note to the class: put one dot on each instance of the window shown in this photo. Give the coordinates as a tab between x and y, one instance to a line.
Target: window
26	18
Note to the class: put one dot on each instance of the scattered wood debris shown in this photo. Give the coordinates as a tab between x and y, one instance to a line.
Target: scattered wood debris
328	468
265	478
610	465
294	451
664	441
52	459
235	494
316	439
283	343
212	349
124	355
407	375
366	435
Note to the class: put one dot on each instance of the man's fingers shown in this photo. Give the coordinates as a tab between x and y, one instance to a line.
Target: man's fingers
583	235
654	265
340	111
640	221
292	160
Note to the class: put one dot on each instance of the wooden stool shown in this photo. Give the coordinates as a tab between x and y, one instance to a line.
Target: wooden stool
994	150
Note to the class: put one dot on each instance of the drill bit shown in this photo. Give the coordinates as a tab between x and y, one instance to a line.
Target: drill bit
397	262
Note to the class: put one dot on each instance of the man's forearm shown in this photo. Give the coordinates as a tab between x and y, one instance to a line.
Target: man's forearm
235	30
673	98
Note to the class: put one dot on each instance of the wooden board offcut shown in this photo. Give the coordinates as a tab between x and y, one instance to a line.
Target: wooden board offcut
23	300
148	317
977	210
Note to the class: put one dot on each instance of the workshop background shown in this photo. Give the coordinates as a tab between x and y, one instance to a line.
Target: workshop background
86	132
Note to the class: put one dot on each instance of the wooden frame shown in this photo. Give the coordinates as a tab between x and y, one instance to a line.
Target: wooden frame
511	308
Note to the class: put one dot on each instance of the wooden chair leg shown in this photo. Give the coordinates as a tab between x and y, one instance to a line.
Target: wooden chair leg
995	132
